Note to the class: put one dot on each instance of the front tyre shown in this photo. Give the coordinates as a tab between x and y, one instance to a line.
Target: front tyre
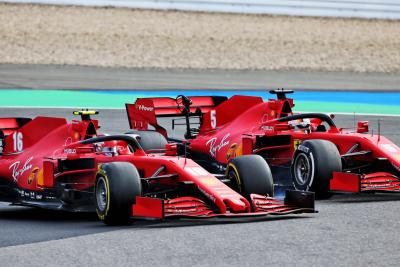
116	188
313	164
250	174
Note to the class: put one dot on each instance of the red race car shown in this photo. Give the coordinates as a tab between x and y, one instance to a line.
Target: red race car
49	163
308	148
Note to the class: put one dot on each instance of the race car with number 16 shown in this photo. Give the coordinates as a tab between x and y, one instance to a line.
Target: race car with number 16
50	163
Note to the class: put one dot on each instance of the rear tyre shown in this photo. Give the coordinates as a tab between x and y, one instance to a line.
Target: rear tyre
250	174
151	140
313	163
117	185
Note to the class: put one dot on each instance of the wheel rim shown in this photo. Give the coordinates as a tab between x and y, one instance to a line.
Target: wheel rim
302	169
101	194
234	180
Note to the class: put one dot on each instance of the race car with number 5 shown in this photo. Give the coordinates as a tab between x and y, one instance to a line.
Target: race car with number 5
307	150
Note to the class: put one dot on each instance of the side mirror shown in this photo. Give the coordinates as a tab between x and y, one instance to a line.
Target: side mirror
362	127
171	149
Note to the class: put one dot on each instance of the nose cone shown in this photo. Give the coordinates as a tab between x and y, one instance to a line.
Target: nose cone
238	205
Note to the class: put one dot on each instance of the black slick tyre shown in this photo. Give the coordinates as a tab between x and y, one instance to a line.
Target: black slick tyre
116	188
250	174
312	166
151	140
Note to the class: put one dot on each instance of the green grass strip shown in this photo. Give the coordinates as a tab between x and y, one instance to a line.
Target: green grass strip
112	100
63	98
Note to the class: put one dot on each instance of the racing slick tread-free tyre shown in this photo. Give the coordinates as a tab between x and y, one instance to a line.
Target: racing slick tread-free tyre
117	185
313	163
150	140
251	175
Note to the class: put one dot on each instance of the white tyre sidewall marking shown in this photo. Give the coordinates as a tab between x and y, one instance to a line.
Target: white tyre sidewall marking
312	171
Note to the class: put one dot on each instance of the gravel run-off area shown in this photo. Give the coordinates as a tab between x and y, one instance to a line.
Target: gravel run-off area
117	37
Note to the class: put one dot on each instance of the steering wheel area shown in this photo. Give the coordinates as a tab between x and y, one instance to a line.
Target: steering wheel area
113	148
300	123
313	122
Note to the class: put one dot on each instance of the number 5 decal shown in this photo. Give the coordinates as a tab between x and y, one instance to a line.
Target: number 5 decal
18	144
213	115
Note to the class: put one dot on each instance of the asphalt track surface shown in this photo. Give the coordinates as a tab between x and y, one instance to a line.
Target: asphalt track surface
14	76
348	230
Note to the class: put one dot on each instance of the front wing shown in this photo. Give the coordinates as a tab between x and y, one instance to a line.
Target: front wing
373	182
295	202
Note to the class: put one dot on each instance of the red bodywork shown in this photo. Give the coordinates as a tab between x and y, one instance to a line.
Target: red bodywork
51	163
244	125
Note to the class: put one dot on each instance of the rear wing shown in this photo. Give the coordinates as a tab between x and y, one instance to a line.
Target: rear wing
9	125
144	111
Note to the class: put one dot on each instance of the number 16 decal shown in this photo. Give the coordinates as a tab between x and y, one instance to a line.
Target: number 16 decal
213	115
18	144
